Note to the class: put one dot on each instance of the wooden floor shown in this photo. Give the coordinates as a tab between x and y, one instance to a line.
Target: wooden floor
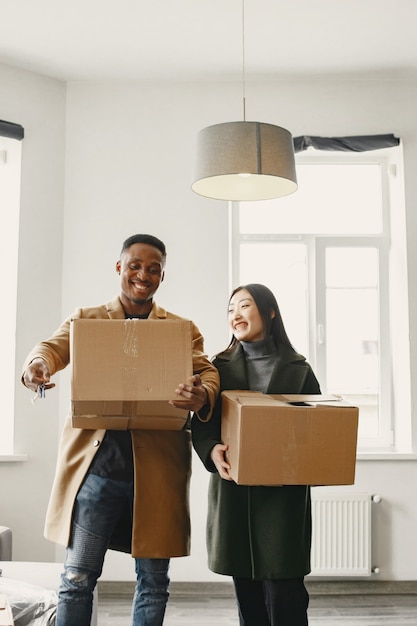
387	605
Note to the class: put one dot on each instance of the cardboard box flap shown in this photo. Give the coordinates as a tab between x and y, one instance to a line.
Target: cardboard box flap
309	398
6	616
256	398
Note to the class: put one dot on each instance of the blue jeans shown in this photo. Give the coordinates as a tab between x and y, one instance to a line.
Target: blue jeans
96	514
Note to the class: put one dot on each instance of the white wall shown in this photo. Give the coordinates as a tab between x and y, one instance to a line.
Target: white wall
128	167
38	104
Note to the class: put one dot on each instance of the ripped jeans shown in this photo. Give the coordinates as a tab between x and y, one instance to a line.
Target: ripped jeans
96	514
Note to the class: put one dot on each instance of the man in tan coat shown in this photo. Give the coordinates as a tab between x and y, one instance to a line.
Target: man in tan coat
124	490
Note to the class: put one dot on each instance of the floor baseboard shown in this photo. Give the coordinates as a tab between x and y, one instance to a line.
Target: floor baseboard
315	587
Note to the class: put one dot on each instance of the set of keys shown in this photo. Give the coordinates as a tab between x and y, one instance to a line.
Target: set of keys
39	394
41	391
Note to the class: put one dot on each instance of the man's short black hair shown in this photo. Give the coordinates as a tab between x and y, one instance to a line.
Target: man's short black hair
148	239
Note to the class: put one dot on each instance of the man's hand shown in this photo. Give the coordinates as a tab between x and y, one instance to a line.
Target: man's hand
194	395
37	373
219	459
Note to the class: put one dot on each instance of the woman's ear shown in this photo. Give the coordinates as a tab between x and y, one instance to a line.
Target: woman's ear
272	314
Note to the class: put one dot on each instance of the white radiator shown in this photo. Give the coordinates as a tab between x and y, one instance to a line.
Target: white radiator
341	541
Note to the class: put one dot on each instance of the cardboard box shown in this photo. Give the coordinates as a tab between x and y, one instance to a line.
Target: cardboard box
289	439
6	616
123	372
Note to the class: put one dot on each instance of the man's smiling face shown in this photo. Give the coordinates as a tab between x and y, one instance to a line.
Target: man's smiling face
141	269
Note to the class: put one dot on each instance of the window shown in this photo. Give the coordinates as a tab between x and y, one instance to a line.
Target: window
334	255
10	156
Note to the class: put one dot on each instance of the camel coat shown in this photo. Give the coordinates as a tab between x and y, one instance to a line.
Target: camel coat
162	459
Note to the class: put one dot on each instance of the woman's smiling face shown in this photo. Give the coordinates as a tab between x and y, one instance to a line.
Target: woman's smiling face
244	318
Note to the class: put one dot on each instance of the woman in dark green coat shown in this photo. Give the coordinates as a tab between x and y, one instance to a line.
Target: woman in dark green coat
259	535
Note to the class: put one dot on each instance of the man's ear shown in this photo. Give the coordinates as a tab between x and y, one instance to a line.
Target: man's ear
162	276
118	267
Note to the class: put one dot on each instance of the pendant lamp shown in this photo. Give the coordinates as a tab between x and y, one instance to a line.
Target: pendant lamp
244	160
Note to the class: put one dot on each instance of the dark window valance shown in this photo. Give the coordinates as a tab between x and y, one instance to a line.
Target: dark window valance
359	143
13	131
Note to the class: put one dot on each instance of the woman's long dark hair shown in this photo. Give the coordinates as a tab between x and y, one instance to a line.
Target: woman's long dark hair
266	303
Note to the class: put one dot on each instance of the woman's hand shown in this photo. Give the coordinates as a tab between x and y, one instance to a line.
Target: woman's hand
194	395
218	456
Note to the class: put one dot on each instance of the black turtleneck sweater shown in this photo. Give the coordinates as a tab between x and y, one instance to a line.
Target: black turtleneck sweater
260	360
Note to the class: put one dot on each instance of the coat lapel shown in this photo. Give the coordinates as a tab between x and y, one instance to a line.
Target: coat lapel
232	370
289	375
290	372
115	310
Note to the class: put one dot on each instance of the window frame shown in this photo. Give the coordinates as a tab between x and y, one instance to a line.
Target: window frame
390	161
380	243
11	154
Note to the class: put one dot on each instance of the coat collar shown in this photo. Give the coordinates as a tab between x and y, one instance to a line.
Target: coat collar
115	310
289	375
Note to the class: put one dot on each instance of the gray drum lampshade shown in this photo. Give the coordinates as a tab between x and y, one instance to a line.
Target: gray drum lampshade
244	161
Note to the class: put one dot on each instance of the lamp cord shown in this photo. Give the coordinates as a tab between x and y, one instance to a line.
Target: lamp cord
243	62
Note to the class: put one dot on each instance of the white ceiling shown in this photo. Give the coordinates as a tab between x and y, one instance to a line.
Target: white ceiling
202	39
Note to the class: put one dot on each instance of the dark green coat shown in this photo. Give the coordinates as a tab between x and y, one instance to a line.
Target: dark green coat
256	532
